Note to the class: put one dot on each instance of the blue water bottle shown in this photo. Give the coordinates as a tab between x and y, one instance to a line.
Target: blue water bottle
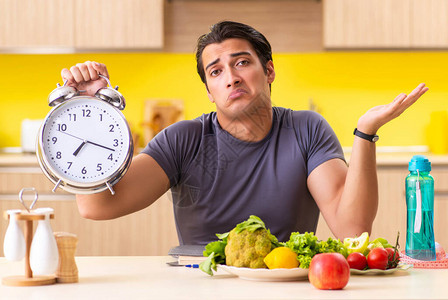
420	204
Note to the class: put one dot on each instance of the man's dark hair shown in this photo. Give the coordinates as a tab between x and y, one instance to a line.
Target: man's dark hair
227	30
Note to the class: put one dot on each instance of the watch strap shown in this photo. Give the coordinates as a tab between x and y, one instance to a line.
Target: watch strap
369	137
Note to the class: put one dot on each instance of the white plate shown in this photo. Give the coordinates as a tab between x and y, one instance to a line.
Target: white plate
267	274
380	272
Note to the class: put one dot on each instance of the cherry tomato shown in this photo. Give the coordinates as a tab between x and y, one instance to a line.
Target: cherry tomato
357	261
378	259
393	258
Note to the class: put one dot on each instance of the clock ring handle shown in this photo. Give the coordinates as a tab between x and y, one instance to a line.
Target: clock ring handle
62	93
65	83
111	95
107	80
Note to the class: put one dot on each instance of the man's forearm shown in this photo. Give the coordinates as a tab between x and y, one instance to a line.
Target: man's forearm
355	210
359	200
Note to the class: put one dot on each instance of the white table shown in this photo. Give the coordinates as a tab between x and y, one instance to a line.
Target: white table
149	277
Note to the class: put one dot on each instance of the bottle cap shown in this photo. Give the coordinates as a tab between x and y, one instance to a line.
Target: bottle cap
420	163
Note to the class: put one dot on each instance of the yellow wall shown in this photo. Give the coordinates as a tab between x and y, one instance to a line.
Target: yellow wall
343	84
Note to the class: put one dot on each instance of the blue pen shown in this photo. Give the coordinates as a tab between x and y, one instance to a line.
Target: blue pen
195	266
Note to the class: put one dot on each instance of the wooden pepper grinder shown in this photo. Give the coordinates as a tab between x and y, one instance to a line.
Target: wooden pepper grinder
67	271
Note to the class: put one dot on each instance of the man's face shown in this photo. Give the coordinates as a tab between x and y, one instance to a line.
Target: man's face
235	77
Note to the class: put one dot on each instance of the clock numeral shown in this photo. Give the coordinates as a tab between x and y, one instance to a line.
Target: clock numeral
84	171
110	157
86	113
99	167
111	128
101	117
54	140
115	143
62	127
72	117
69	164
58	155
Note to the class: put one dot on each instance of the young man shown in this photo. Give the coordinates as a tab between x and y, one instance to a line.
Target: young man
247	157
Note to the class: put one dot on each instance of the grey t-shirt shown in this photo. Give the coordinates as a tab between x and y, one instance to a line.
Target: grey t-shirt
218	181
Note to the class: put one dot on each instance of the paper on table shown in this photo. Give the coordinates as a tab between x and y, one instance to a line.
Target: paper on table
187	250
190	260
187	254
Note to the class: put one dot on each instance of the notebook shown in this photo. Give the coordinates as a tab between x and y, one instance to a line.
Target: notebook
187	255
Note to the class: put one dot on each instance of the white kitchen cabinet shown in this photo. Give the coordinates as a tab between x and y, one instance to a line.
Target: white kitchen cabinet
106	24
385	24
429	23
69	25
150	231
366	23
43	23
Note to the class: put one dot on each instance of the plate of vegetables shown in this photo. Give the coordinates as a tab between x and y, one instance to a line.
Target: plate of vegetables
251	252
266	274
379	271
376	257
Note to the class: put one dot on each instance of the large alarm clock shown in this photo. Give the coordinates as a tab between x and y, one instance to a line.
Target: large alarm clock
85	145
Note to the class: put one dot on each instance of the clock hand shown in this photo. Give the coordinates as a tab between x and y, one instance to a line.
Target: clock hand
100	145
79	148
76	137
85	142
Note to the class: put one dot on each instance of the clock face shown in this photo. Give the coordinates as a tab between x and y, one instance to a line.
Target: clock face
85	141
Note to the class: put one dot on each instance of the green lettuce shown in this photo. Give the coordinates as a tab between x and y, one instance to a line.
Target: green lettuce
215	254
306	245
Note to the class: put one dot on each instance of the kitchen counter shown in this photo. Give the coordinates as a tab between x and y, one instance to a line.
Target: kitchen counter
18	160
149	277
382	158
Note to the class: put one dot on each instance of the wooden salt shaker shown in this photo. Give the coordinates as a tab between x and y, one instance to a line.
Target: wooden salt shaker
67	271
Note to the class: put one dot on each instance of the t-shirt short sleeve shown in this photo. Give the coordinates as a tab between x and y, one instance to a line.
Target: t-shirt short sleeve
217	181
174	147
316	137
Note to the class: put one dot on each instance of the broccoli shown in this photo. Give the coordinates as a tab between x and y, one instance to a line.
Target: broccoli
246	245
248	249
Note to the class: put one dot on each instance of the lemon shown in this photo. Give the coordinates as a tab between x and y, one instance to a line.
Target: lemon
357	244
281	257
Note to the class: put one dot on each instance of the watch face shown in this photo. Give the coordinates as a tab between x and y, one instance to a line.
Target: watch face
85	141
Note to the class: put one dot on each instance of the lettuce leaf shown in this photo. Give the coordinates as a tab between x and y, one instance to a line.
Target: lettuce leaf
332	245
306	245
254	223
215	254
251	224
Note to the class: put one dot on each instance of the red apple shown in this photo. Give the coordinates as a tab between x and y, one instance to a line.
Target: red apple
329	271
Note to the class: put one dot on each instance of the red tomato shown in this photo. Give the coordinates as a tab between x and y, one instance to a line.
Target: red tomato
377	259
393	258
357	261
329	271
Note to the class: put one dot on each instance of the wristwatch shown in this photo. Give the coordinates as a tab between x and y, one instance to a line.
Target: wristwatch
371	138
